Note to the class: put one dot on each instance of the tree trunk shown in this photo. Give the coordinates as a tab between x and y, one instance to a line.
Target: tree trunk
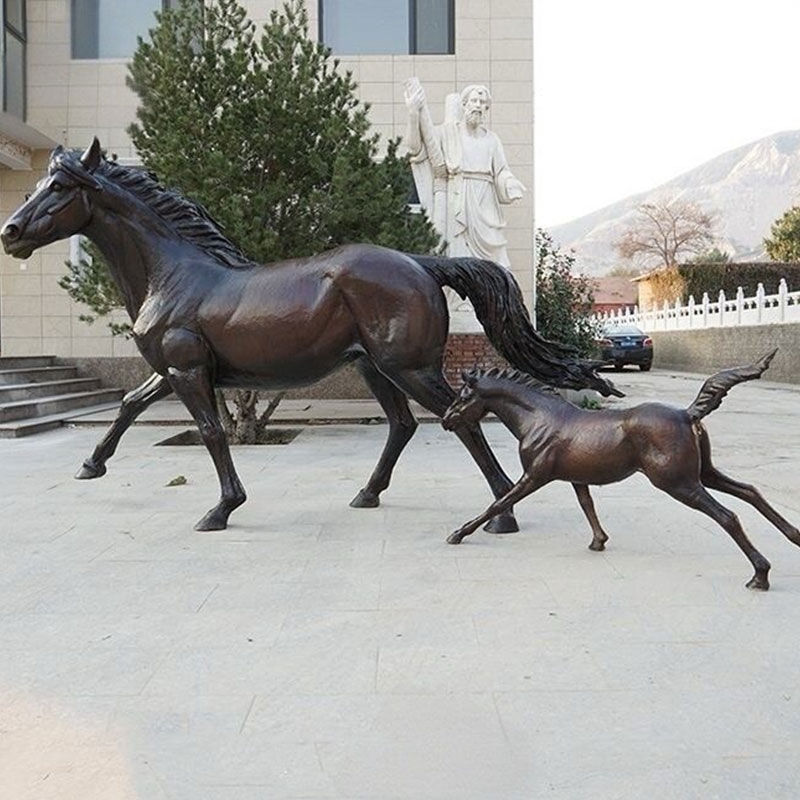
244	425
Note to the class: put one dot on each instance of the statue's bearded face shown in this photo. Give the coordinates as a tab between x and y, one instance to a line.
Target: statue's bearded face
475	107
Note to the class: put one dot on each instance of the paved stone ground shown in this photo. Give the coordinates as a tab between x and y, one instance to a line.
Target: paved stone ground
317	651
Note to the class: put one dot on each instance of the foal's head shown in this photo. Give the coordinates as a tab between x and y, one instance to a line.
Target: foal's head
468	408
484	390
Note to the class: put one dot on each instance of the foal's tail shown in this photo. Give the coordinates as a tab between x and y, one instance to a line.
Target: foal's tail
498	304
717	386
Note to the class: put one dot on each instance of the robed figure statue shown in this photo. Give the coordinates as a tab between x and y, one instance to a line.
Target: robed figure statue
461	173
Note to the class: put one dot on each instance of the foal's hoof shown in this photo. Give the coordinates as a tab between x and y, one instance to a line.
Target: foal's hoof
455	538
502	523
365	499
597	546
89	470
758	582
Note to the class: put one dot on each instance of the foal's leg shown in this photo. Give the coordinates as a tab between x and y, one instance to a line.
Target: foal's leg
523	487
429	388
193	386
136	401
712	478
599	536
402	425
696	496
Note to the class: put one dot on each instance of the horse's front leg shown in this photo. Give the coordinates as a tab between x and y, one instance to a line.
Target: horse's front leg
190	377
154	388
522	488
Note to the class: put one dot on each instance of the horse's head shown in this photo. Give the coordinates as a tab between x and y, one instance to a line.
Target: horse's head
468	408
59	207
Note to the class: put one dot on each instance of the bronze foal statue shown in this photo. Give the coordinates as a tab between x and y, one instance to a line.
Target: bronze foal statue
204	315
559	441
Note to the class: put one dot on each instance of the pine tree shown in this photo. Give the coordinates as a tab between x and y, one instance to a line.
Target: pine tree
267	132
783	243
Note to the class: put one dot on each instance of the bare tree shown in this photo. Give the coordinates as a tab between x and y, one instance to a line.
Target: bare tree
664	232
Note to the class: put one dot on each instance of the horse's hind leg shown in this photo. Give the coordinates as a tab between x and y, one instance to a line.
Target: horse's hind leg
136	401
429	388
402	425
712	478
599	536
696	496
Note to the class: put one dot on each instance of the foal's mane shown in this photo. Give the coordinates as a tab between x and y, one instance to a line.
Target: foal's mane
190	220
510	375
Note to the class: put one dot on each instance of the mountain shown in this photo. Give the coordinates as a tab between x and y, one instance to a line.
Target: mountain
748	188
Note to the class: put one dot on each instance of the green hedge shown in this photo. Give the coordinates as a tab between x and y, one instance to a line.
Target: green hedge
711	277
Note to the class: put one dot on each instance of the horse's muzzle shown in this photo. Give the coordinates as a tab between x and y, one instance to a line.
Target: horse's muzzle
9	234
450	420
13	244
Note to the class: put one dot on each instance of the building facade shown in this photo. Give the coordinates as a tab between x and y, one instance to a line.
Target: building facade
64	64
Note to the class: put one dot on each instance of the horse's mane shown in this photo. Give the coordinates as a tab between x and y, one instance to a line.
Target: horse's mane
191	221
510	375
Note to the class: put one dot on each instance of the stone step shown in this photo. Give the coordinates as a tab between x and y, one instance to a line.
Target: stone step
25	362
30	391
31	425
36	374
45	406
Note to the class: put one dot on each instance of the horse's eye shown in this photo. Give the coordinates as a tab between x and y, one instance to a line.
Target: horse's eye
56	186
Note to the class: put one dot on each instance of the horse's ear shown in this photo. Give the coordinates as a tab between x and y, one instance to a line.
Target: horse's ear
469	376
92	155
57	150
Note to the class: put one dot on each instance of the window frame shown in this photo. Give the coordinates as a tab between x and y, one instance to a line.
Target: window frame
165	6
412	31
20	34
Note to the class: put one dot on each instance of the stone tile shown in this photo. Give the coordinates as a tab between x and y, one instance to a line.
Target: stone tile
256	669
435	670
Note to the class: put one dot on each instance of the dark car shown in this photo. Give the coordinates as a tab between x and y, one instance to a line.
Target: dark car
626	344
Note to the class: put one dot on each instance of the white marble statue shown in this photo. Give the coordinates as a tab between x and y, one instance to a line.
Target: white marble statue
461	173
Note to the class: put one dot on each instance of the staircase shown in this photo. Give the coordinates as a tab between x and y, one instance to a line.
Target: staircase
36	395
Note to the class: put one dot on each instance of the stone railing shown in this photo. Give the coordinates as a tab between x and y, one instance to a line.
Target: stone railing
762	309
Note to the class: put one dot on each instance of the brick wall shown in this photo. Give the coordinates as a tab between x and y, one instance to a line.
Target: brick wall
467	350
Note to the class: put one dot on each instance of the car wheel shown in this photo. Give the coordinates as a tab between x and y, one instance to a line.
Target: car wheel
617	367
645	367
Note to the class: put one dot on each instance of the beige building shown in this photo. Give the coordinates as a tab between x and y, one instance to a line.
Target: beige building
64	64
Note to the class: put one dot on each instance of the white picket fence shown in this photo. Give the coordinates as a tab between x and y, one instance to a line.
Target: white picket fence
763	309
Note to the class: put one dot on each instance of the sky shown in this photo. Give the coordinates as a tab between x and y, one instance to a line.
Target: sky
631	93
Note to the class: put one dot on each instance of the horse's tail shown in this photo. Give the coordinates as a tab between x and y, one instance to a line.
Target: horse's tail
717	386
500	308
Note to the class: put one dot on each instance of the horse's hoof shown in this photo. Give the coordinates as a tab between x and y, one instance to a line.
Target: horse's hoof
212	522
365	499
597	546
89	471
455	538
758	583
502	523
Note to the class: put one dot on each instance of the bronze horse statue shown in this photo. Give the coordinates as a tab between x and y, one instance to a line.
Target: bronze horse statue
205	316
559	441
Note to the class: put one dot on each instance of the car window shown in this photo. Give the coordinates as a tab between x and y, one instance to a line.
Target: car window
623	329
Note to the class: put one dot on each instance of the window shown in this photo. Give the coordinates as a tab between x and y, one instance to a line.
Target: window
13	61
109	28
364	27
